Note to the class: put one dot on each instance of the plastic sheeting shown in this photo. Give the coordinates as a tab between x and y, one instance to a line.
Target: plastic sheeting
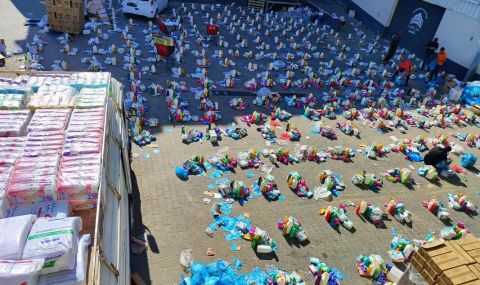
471	93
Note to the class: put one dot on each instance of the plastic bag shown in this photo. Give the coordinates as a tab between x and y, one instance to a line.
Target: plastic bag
181	173
24	272
457	149
264	91
76	276
56	241
13	235
34	179
13	123
468	160
53	96
49	120
186	259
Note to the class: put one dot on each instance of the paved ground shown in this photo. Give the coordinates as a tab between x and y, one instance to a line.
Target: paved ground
172	209
174	216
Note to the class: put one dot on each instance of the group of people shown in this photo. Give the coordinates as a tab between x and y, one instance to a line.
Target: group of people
432	61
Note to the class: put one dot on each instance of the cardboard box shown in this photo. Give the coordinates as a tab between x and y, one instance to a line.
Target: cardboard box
418	261
429	250
466	257
469	243
475	269
472	246
446	261
475	109
429	276
66	4
457	276
66	15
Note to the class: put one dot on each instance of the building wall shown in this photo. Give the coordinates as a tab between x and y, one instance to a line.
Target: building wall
460	35
382	11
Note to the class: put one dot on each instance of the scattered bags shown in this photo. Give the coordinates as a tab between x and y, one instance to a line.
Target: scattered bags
55	240
76	276
24	272
13	235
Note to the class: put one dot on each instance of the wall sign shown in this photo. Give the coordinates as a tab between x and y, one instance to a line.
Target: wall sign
419	17
419	21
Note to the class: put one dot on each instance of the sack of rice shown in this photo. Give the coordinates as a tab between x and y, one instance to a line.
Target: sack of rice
13	234
54	240
76	276
24	272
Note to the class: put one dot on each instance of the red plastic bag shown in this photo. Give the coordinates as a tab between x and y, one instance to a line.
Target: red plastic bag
458	169
212	30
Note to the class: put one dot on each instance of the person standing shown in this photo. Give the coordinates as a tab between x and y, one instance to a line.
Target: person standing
392	48
440	63
430	49
404	70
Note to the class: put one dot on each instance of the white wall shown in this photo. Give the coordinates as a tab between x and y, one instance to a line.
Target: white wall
460	35
381	10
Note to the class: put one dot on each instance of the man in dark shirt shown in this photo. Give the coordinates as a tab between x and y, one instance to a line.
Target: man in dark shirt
392	48
430	49
437	156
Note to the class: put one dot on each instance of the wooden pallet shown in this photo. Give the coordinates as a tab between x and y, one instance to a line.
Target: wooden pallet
256	4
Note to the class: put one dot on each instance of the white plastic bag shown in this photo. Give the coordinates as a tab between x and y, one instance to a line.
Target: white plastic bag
13	234
24	272
56	241
186	259
76	276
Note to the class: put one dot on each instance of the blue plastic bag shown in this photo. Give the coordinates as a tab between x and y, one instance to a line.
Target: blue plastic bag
432	65
468	160
181	173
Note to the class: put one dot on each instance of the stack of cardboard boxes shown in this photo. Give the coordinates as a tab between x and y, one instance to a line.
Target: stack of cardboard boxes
66	15
449	262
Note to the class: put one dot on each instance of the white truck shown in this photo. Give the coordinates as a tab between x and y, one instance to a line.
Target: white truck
108	223
146	8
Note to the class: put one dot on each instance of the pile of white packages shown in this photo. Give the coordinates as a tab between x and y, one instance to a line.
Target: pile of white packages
13	123
79	174
51	248
50	167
